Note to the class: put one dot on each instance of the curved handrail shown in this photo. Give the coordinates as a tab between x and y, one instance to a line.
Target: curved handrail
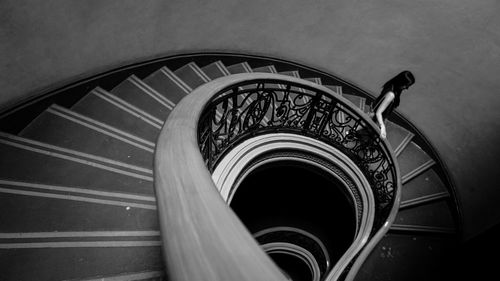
202	238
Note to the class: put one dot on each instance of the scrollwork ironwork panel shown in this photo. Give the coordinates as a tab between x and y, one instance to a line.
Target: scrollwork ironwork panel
244	110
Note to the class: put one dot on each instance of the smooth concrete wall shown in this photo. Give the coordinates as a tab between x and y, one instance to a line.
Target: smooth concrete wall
452	46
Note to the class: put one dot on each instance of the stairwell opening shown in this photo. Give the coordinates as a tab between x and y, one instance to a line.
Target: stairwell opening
300	214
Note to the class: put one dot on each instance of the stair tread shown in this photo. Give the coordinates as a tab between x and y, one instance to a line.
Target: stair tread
336	89
55	166
33	211
316	80
357	101
215	70
165	82
242	67
95	107
397	136
133	91
434	214
72	263
426	184
59	127
293	73
265	69
411	159
192	75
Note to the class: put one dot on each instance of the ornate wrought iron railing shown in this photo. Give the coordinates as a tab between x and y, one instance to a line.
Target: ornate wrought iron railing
263	106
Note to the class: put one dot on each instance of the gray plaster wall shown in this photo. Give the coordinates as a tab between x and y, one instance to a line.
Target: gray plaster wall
452	46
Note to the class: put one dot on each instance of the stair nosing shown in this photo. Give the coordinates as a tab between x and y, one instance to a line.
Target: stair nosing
75	156
422	229
417	171
199	72
222	67
247	66
271	67
174	78
77	190
423	200
127	107
79	234
82	244
78	198
143	86
134	276
403	144
101	127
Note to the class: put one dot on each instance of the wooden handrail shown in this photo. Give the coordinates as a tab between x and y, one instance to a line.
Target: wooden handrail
202	238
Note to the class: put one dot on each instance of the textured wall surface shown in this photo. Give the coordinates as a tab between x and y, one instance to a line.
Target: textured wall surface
452	46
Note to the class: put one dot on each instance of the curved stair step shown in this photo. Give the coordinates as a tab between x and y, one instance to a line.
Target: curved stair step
398	137
139	94
62	127
165	82
292	73
242	67
43	208
411	203
428	183
215	70
32	161
192	75
80	259
413	161
265	69
316	80
107	108
336	89
432	214
356	100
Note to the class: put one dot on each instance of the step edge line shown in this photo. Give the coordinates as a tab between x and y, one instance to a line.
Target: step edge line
423	200
107	131
81	161
76	190
151	92
174	78
417	171
247	67
116	101
222	67
79	234
403	144
421	228
77	198
199	72
81	244
12	139
125	277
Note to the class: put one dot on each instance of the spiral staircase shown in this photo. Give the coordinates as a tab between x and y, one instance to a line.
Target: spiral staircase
77	183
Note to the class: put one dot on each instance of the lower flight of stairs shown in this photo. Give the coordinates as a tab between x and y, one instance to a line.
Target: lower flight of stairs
76	186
